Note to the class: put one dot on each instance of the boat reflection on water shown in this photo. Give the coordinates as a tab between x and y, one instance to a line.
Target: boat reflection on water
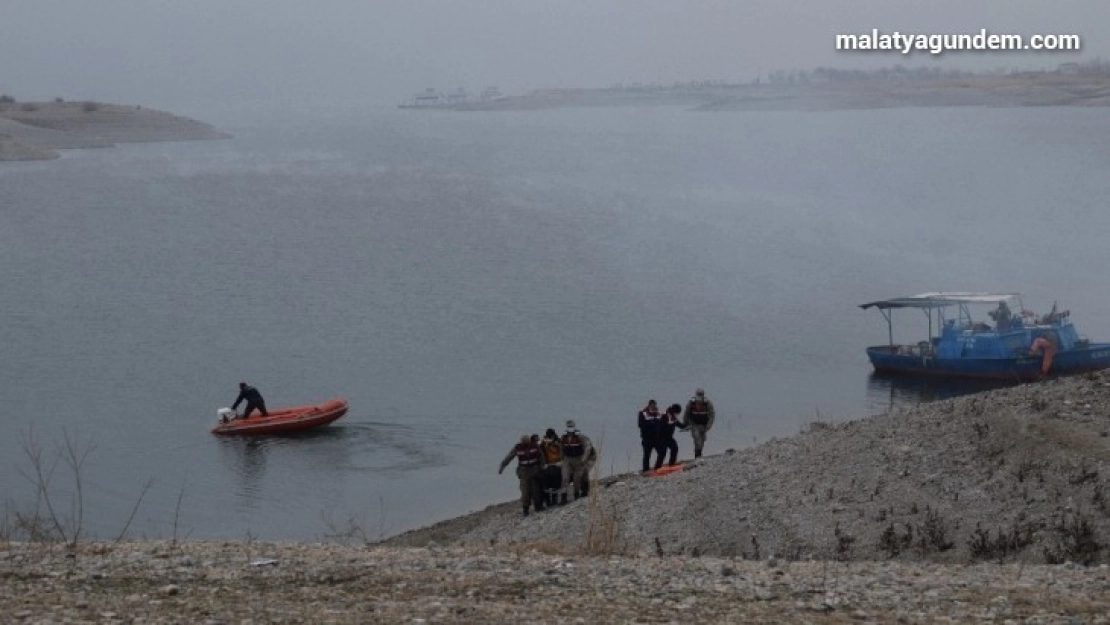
246	457
890	392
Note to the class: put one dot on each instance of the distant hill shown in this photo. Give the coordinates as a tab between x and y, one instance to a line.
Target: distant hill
826	89
36	130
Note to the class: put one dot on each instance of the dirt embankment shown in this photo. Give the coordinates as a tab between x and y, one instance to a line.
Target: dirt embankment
36	130
1020	474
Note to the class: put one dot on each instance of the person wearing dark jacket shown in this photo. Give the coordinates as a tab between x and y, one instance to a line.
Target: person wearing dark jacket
551	479
669	422
253	398
650	421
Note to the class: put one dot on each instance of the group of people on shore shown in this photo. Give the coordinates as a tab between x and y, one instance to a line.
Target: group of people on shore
551	468
657	430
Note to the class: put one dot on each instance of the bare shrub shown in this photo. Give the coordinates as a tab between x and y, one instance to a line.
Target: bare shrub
603	524
48	522
1027	469
177	512
603	529
1076	541
932	533
135	508
844	543
350	530
355	528
893	543
1083	474
982	430
6	528
1006	543
58	511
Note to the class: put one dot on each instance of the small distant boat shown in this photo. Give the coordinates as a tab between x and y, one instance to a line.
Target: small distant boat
1017	346
282	420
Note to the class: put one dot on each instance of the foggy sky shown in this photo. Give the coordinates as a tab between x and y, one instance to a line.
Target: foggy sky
281	52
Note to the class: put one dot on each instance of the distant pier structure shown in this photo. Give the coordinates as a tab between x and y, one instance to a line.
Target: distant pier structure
432	98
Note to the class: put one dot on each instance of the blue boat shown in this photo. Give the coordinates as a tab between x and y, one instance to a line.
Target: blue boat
1016	346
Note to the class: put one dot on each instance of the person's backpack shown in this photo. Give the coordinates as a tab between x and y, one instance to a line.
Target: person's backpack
552	452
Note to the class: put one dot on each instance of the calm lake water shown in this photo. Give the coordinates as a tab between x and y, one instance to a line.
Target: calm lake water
464	278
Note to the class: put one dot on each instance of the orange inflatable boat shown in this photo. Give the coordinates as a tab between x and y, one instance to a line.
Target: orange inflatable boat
282	420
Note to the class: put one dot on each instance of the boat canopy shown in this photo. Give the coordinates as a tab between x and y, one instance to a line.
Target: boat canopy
941	299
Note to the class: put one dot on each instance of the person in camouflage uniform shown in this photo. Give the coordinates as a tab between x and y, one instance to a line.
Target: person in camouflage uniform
699	419
529	463
576	450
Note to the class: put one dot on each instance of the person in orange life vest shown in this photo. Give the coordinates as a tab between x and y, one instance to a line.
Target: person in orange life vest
253	398
551	480
699	419
576	449
669	422
649	421
529	462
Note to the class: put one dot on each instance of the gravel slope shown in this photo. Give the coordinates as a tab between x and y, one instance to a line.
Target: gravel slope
1018	474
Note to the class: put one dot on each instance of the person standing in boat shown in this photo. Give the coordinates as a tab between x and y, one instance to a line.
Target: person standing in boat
699	419
253	398
529	462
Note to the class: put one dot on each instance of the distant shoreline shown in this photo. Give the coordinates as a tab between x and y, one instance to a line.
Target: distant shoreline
832	91
38	130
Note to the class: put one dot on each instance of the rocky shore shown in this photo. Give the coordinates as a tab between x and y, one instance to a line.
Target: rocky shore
37	130
990	507
195	582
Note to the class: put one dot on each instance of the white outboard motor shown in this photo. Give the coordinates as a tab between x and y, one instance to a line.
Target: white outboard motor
225	414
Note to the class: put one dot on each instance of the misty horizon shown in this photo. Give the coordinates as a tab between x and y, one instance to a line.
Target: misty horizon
291	54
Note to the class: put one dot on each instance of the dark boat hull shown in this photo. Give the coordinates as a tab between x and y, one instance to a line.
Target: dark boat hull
1020	368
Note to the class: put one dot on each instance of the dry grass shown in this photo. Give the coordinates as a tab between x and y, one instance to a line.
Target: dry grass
604	522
